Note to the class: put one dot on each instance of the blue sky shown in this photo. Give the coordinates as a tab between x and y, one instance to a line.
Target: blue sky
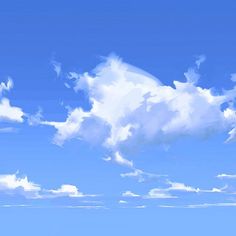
117	117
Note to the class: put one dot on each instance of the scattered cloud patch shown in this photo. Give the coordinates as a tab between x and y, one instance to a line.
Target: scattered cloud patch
8	130
129	193
122	202
233	77
200	59
56	67
122	161
141	175
157	193
107	159
10	113
226	176
140	207
174	186
6	86
202	205
12	184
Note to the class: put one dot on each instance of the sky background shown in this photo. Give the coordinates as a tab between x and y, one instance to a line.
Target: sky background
163	38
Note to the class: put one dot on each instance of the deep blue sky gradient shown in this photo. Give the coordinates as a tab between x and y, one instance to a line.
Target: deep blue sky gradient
161	37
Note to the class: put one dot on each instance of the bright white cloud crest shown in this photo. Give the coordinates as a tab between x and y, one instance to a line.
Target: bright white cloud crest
7	111
13	184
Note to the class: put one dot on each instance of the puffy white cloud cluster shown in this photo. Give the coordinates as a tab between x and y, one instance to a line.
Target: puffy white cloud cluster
129	105
14	185
8	112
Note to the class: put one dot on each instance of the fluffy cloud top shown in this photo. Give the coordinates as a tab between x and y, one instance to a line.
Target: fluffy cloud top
129	105
12	184
67	189
8	112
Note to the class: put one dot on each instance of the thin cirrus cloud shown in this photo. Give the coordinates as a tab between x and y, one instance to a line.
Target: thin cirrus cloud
56	67
129	193
173	187
130	106
141	175
138	174
202	205
14	185
226	176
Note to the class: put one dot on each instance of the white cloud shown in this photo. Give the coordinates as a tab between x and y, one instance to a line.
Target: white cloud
7	130
233	77
202	205
200	60
70	128
7	112
140	175
135	174
10	113
174	186
157	193
73	75
14	206
129	193
16	185
66	190
6	86
36	118
122	202
122	161
85	207
179	187
140	206
226	176
57	67
135	107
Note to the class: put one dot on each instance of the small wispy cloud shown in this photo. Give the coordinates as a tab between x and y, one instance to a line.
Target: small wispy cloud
8	130
202	205
129	193
200	59
6	86
141	175
157	193
56	67
122	202
118	158
226	176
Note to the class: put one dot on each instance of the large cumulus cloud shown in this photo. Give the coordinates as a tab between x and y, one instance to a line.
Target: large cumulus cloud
128	105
